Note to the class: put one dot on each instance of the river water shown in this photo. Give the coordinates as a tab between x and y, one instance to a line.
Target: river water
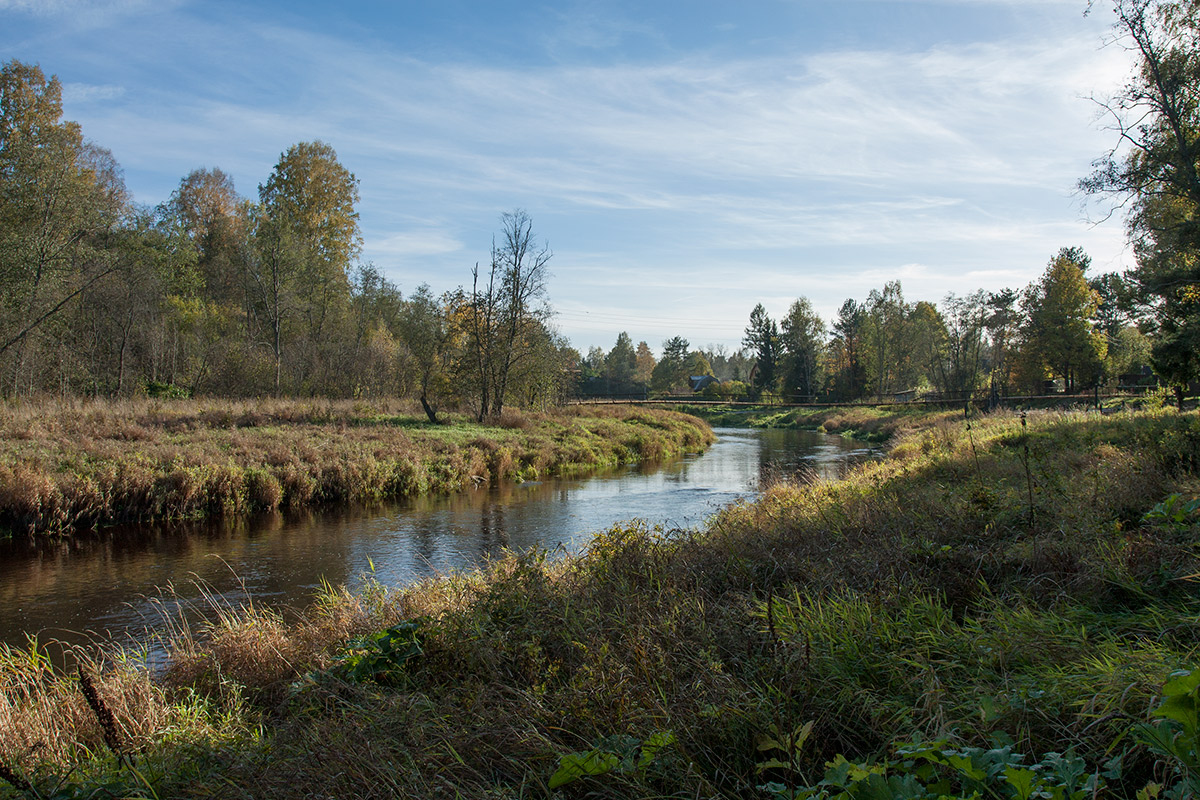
118	583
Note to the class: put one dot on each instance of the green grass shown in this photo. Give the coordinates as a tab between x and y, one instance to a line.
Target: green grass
869	423
997	582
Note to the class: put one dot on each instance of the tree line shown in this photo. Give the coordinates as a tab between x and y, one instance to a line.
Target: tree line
1065	327
1064	331
214	293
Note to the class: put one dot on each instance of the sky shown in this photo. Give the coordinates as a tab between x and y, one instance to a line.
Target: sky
683	160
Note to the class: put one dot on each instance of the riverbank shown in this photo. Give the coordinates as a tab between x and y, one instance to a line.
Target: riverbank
1002	582
80	464
874	424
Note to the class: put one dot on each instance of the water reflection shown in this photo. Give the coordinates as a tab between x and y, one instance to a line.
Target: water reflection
108	584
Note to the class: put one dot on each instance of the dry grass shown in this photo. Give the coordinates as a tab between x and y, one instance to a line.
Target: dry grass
870	423
927	595
76	464
44	717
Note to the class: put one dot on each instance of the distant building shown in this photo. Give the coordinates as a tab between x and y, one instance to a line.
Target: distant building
1143	378
700	382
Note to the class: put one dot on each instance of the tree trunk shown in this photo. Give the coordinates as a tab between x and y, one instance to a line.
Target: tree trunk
429	410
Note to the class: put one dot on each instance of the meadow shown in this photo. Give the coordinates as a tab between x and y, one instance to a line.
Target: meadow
78	464
1006	606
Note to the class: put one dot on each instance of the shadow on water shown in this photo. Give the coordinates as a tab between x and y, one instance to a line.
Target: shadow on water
106	585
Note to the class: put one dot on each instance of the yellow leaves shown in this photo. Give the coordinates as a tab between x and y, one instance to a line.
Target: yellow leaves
311	193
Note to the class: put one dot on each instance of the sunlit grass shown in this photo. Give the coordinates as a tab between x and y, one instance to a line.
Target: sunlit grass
997	580
78	464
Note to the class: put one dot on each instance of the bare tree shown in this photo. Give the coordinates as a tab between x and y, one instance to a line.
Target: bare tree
507	308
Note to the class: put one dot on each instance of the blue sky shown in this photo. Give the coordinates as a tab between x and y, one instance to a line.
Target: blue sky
683	160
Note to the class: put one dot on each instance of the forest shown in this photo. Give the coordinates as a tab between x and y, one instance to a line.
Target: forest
1065	332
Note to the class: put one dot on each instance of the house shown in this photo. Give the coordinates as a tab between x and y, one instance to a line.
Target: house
700	382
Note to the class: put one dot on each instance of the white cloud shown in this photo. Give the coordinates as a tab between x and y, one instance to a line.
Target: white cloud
414	243
87	11
87	93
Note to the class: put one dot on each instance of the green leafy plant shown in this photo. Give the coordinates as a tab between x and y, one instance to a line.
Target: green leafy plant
624	755
1174	736
170	391
786	746
931	770
381	657
1174	511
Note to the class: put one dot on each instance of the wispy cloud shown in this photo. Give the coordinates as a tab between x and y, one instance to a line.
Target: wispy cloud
818	172
88	93
416	243
588	25
87	12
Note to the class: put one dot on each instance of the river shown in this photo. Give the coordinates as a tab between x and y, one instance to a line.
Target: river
117	583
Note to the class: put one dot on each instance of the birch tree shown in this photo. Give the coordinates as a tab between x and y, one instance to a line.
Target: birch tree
508	308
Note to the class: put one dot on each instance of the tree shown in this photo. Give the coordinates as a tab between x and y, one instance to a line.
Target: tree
129	319
962	322
1155	167
306	235
507	306
930	344
850	378
645	364
1120	305
1060	333
593	363
889	347
803	341
1001	323
671	371
1128	351
371	357
425	331
540	379
696	364
208	209
762	338
61	199
620	364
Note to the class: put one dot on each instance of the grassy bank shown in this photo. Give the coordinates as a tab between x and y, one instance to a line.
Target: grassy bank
80	464
996	587
870	423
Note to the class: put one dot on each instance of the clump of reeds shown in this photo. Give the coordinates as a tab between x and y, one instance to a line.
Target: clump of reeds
51	720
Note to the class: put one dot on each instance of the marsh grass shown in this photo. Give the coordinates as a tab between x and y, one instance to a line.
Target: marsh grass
916	599
52	732
69	465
